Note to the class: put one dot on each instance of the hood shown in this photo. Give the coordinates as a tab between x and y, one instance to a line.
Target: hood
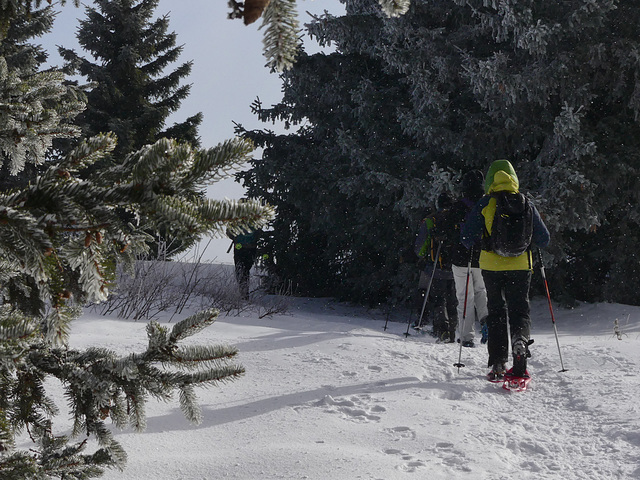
501	177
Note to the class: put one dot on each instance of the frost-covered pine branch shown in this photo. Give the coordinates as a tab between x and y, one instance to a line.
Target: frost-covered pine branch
281	36
98	385
27	119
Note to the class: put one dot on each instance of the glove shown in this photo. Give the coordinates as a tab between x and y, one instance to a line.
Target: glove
485	334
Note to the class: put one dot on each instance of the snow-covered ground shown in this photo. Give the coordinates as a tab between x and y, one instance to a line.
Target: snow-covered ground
329	395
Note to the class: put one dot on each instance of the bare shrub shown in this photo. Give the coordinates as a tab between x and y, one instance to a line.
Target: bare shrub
169	287
269	305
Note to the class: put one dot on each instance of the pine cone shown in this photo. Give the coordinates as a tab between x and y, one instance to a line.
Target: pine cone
253	9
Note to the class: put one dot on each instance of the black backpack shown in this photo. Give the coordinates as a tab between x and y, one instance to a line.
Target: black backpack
512	227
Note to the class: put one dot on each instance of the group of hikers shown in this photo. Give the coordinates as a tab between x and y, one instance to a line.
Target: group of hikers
477	265
477	259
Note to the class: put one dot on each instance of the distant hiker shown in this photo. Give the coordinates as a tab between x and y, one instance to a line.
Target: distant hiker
245	249
505	223
475	293
421	263
434	232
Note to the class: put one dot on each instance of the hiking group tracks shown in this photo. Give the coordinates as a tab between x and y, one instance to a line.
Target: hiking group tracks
560	415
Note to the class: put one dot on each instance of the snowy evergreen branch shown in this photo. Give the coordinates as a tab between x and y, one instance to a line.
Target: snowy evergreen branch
215	163
27	124
235	216
99	384
192	325
16	332
282	36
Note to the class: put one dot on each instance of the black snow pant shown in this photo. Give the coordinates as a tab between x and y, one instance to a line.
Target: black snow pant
243	259
507	298
445	309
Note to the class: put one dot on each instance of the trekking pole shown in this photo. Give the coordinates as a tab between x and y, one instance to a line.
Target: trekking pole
387	321
409	319
426	295
389	313
464	312
553	320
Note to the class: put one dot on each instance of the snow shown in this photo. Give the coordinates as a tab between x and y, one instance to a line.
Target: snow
328	394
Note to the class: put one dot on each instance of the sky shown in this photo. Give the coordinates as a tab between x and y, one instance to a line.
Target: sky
228	74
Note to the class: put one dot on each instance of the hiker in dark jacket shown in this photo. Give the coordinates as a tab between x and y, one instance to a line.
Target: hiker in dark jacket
507	278
245	249
472	291
435	232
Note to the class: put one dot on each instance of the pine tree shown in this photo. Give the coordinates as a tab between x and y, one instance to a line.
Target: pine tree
559	89
60	242
348	213
132	95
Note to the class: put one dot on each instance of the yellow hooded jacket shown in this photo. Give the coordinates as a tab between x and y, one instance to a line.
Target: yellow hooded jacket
501	177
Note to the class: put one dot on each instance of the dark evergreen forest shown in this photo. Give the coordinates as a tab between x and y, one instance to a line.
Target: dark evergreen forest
406	105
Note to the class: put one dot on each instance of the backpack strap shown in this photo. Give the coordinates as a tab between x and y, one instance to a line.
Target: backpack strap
486	239
486	236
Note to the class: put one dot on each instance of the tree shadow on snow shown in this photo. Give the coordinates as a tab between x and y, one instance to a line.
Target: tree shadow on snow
213	416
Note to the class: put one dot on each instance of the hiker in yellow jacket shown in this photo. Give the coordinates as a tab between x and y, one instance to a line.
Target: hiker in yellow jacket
507	275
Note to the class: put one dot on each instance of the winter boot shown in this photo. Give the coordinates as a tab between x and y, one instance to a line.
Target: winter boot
497	372
520	352
446	337
452	336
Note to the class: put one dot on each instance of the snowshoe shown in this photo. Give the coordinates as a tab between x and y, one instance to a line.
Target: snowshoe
516	383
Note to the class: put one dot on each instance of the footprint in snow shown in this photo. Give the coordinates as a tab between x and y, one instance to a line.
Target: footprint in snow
451	456
401	432
410	463
356	408
412	466
319	360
